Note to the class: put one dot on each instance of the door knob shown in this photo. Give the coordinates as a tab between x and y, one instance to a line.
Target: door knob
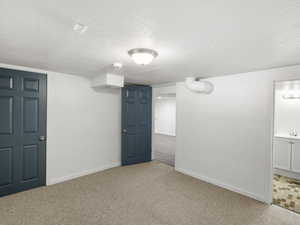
124	130
42	138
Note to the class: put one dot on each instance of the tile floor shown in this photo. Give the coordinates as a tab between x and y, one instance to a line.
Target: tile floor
286	193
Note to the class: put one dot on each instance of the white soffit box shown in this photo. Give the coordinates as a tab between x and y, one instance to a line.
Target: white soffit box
108	80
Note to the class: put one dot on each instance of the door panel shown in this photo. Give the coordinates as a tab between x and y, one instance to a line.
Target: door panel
136	124
6	115
296	157
30	162
130	145
31	84
22	122
142	144
30	114
282	154
5	166
6	82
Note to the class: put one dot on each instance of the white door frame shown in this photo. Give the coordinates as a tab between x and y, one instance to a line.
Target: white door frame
269	188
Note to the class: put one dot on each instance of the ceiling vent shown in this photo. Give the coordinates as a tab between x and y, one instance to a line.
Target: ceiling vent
108	80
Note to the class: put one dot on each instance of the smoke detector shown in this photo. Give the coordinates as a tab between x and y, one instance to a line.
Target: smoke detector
80	28
117	65
196	84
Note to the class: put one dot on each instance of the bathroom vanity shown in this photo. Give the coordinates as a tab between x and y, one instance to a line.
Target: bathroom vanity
286	155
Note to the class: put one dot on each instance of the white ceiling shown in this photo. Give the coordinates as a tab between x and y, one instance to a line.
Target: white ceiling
193	37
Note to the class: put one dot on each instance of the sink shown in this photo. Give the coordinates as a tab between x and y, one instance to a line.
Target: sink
287	136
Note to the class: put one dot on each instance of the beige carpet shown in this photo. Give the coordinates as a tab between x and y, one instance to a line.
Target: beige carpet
144	194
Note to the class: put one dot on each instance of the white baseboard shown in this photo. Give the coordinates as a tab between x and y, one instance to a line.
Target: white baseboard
220	184
287	173
80	174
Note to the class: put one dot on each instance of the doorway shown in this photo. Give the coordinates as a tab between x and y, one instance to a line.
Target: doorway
286	145
22	130
164	135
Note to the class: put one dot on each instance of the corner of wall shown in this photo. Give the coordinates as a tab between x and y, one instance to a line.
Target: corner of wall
222	185
52	181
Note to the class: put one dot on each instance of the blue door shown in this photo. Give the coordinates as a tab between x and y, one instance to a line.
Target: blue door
22	130
136	124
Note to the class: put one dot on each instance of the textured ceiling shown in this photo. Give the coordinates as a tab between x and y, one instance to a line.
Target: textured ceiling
193	37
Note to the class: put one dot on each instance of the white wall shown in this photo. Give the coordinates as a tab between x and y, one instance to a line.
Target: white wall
225	137
165	116
83	127
287	111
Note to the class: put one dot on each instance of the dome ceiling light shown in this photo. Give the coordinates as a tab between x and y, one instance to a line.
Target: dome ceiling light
142	56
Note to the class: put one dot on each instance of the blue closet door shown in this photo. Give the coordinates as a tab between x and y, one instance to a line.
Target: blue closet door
22	130
136	124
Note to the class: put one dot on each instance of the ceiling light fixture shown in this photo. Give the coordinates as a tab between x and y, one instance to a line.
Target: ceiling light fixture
142	56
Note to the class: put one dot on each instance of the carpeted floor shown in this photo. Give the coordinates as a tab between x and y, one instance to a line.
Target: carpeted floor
286	192
145	194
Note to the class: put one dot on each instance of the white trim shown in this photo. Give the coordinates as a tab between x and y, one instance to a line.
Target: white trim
164	84
220	184
285	210
80	174
287	173
34	69
270	153
164	133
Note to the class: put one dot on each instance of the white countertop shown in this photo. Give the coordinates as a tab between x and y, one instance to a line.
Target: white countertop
287	136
